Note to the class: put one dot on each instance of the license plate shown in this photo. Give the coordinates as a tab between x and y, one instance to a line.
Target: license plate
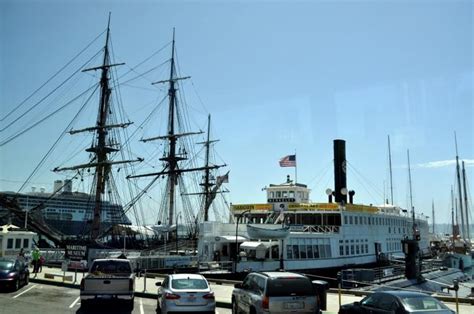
294	305
104	297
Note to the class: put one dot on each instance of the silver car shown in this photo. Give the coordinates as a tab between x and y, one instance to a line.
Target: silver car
274	292
185	293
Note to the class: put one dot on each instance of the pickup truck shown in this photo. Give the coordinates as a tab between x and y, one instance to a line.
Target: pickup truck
108	279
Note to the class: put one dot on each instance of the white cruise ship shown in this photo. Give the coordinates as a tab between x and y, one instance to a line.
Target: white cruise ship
292	233
66	211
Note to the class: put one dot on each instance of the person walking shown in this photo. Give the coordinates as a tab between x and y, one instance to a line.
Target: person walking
41	263
36	260
21	256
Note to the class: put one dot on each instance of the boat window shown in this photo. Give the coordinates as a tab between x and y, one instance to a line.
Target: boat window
350	220
356	220
302	251
10	244
357	249
292	194
289	251
17	243
345	220
26	243
347	249
271	194
284	194
341	250
296	252
366	248
352	249
316	251
278	194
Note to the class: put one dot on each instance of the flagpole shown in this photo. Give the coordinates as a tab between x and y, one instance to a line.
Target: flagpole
296	169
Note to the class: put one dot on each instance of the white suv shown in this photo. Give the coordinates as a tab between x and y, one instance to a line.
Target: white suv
274	292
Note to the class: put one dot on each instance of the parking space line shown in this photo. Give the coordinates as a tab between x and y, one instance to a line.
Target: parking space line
74	303
141	306
24	291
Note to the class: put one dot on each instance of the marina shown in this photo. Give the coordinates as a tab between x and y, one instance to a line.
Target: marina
115	188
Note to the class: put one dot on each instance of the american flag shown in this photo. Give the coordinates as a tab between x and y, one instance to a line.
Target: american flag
288	161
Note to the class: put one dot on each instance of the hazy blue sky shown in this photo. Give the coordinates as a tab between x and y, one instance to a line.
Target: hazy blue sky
277	77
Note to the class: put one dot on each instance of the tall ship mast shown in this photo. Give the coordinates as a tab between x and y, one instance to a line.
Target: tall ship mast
103	145
175	155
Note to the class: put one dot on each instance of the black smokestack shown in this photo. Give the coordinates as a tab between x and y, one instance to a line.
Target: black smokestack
340	171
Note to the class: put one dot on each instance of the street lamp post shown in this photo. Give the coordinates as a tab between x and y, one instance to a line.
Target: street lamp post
236	234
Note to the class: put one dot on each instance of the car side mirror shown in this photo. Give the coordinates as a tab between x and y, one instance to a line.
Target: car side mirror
158	283
357	303
238	286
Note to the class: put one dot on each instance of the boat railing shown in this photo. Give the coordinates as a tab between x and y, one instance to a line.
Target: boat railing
53	256
163	261
315	229
216	266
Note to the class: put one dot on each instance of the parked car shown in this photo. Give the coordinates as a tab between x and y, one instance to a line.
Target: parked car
108	279
13	273
185	293
274	292
398	302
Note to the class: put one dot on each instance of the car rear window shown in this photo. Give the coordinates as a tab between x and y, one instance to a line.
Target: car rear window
289	286
188	284
423	303
6	265
111	267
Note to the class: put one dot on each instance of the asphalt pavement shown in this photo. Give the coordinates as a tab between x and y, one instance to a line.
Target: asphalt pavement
49	299
146	291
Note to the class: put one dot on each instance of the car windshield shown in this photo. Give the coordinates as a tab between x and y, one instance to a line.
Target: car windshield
289	287
188	284
421	303
6	265
111	267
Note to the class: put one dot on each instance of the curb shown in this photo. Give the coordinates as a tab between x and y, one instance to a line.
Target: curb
145	295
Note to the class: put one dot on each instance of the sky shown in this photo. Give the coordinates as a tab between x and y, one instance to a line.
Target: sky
278	78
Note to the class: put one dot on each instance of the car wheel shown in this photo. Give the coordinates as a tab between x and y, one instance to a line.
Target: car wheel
158	308
16	285
131	304
85	304
235	310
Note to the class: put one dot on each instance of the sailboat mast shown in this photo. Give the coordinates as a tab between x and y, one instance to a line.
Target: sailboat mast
207	184
452	214
433	215
390	166
458	174
411	195
102	169
465	203
172	139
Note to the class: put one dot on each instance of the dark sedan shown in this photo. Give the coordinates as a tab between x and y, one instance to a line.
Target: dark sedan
396	302
13	273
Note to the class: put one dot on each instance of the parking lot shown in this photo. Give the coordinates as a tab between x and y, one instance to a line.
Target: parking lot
48	299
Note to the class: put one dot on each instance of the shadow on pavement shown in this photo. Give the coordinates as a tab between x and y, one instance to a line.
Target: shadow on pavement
104	308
